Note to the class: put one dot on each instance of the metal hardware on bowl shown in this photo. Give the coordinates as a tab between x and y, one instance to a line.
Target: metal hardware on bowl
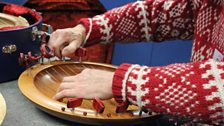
8	49
37	34
48	28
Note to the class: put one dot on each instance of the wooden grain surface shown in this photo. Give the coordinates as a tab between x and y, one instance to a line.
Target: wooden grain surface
2	108
40	83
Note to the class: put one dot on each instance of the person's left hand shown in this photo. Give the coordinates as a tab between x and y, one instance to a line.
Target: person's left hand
88	84
64	42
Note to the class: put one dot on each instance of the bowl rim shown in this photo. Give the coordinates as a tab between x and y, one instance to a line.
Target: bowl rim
3	108
53	107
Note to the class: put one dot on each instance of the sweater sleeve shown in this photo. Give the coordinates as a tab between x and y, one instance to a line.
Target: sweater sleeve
149	20
192	90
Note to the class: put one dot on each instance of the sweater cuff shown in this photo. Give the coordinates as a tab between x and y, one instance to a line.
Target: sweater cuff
119	82
92	31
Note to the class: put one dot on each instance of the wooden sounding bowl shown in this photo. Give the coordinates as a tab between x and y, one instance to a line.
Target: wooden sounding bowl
39	85
2	108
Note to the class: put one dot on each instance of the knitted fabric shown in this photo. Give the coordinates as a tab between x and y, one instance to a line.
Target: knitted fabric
190	90
193	90
159	20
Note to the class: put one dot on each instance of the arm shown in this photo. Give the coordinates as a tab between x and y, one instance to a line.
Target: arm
149	20
188	90
192	90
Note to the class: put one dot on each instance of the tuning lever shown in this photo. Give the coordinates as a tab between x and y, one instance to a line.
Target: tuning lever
74	102
46	51
98	105
122	107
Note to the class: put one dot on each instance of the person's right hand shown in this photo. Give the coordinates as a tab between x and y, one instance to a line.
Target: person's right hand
88	84
65	41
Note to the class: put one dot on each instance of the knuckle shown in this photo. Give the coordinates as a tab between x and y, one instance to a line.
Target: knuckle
58	30
77	35
55	32
62	87
69	50
54	45
65	93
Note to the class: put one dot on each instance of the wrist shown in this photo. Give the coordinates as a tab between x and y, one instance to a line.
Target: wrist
119	82
81	30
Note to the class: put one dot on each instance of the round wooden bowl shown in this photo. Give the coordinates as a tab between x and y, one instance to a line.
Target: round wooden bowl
39	85
7	20
2	108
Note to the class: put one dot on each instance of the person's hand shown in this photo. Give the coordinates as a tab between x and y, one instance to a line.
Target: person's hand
65	41
88	84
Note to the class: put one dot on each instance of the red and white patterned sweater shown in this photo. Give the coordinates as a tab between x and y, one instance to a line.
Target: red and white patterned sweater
195	89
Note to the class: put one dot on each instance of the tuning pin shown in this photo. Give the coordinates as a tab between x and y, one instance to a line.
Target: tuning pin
98	105
84	113
122	107
145	110
108	115
24	60
63	109
63	58
81	52
140	112
21	59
